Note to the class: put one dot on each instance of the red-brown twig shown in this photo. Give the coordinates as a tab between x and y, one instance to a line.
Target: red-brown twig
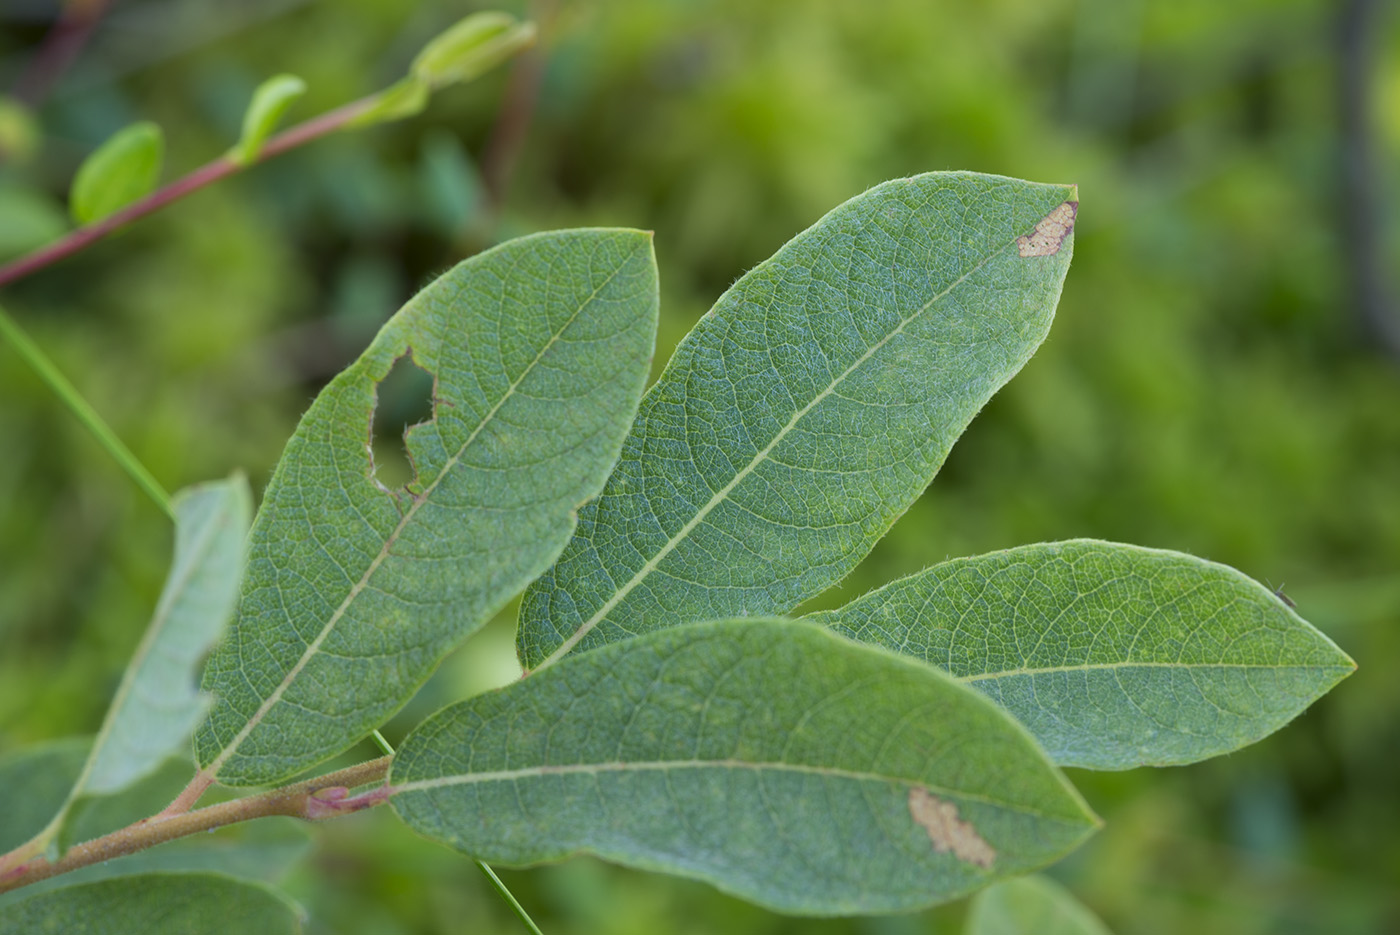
61	46
315	799
207	174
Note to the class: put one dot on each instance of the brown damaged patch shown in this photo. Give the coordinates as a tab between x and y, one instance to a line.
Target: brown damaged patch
947	832
1050	233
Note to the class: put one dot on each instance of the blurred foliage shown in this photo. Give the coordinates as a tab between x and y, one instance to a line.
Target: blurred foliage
1207	386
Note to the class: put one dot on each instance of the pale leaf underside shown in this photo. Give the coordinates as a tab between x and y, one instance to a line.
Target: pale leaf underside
157	707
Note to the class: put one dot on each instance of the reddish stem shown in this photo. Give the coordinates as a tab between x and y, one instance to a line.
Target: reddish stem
61	46
508	134
205	175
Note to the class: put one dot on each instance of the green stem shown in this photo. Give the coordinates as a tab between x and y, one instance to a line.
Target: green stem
382	744
500	887
510	899
32	355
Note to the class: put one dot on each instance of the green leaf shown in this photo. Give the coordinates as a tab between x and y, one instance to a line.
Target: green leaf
1030	906
471	47
1114	656
206	903
809	408
354	592
270	101
465	51
120	171
777	761
157	706
403	98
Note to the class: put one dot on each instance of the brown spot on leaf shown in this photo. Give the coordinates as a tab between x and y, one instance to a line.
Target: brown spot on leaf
1050	232
947	832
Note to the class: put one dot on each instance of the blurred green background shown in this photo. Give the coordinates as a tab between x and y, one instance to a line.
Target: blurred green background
1223	376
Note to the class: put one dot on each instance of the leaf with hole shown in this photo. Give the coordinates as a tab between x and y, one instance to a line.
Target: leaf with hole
120	171
354	592
1033	905
780	762
809	408
1114	656
207	903
270	101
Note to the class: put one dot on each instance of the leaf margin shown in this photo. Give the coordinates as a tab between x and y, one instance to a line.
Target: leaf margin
405	760
889	594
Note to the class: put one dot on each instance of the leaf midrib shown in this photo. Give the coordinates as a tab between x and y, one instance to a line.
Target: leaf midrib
1109	666
722	494
572	769
314	646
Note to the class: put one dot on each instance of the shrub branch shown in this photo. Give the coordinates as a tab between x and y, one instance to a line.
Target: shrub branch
316	799
205	175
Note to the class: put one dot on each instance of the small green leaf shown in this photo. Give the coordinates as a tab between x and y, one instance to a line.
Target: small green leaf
354	592
1033	905
779	762
403	98
473	46
270	101
1114	656
810	408
206	903
120	171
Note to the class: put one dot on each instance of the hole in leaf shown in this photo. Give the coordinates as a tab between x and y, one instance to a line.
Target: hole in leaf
405	398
